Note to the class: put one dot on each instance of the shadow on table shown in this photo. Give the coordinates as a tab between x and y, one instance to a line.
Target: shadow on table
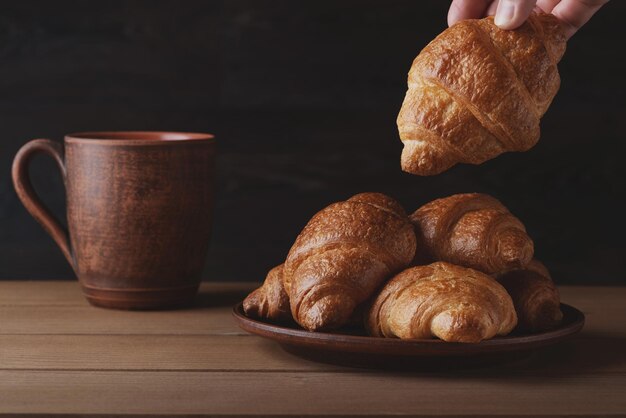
588	353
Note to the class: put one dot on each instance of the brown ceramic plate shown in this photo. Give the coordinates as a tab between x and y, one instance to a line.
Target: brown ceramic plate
353	347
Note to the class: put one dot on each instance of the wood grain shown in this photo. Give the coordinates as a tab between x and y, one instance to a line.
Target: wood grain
237	353
249	393
33	307
76	359
147	352
68	293
84	320
60	308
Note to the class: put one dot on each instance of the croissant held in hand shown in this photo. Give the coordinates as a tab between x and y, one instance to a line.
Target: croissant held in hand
270	301
477	91
453	303
535	297
343	255
472	230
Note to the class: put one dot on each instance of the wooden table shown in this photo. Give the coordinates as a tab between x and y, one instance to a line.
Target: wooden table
58	355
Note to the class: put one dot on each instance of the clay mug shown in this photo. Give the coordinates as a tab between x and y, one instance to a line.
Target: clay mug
139	210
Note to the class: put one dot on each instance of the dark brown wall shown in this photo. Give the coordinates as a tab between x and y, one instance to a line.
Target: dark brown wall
303	97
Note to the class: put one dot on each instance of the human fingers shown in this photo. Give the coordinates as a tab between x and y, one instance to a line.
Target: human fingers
575	13
466	9
510	14
547	6
491	10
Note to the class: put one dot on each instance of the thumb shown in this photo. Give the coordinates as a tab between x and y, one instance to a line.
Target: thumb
511	14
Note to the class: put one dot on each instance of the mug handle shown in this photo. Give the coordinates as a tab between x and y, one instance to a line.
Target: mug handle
30	200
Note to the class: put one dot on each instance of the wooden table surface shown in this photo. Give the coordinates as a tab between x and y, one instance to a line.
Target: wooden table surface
58	355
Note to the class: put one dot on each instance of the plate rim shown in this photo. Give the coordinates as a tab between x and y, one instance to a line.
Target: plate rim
286	335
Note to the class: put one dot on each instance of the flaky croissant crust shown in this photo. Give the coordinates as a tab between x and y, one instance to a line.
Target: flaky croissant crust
535	296
270	301
343	255
453	303
477	91
472	230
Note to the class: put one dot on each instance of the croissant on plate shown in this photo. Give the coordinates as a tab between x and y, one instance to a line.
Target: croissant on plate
270	301
535	297
453	303
477	91
472	230
343	255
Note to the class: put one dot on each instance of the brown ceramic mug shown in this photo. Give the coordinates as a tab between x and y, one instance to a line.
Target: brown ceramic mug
138	212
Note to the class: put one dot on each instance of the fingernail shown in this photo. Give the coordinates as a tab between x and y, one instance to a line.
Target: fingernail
505	13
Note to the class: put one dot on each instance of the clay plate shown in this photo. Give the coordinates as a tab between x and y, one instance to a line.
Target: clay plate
353	348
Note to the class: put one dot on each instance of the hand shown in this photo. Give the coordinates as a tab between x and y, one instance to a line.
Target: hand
510	14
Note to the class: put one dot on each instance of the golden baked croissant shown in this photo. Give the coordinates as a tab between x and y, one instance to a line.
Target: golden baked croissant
472	230
270	301
477	91
344	254
453	303
535	297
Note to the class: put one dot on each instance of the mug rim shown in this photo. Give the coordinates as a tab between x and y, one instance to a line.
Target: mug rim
138	137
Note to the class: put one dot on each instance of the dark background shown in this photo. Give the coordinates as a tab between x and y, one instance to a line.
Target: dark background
303	98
